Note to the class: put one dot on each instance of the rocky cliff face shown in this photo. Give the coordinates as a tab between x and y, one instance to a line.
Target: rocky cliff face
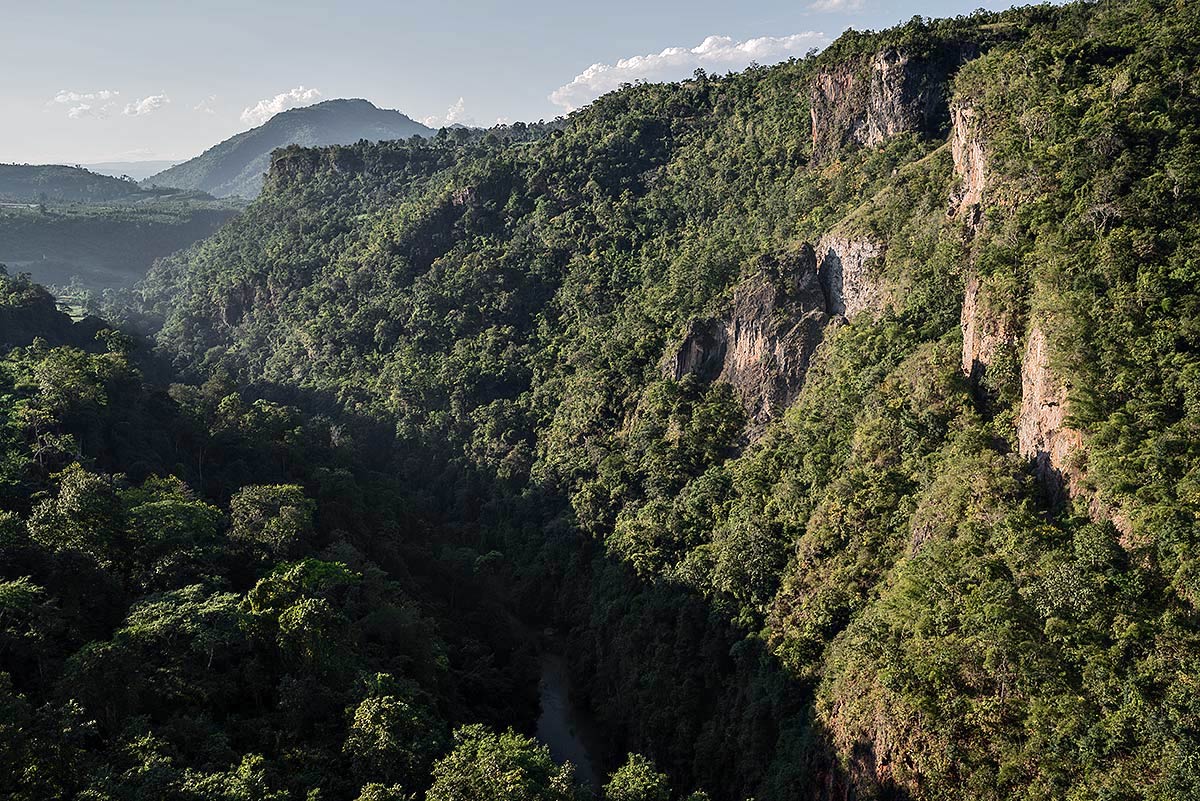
763	345
844	267
986	332
970	164
892	93
1042	432
292	166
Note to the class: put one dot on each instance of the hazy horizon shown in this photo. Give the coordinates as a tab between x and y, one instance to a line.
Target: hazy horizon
139	81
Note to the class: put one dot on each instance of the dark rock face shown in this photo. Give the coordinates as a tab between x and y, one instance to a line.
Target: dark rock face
764	344
702	352
865	103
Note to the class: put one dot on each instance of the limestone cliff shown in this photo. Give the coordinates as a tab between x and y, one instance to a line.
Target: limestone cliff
763	344
864	102
986	330
970	164
1042	431
845	269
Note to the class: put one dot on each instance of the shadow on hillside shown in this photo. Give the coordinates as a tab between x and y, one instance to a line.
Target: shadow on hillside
661	669
664	673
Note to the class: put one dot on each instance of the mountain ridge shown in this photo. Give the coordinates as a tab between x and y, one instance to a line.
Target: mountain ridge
235	167
61	183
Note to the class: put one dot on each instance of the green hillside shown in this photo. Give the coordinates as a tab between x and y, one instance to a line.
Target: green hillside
837	421
66	225
53	183
101	246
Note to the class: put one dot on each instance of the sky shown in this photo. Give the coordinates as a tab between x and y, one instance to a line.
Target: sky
84	81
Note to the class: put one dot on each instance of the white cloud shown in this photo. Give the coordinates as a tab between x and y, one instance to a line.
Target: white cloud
266	109
836	5
205	106
716	53
66	96
147	105
455	115
86	104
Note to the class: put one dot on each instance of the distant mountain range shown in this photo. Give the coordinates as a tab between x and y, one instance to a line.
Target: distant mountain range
70	225
55	183
137	170
236	166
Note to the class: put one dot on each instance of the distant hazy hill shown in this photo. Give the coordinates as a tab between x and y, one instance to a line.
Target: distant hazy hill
25	183
137	170
236	166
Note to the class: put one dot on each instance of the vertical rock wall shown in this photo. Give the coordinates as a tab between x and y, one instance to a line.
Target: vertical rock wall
867	101
845	268
970	164
1042	432
985	331
764	344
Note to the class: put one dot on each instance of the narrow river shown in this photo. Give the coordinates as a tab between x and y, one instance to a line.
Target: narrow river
566	729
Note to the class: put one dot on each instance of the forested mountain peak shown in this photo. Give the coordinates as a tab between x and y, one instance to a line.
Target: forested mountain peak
236	166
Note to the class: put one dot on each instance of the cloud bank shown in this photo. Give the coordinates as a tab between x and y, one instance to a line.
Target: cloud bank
266	109
455	115
836	5
147	105
716	53
86	104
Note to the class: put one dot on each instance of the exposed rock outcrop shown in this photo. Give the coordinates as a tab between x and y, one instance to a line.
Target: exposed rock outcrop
845	269
1056	449
986	331
865	102
970	164
1042	431
763	345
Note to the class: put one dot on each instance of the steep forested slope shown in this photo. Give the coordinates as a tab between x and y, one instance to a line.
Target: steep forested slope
843	412
204	597
961	254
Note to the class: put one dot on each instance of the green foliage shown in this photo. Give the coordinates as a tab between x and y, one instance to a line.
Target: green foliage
426	379
85	243
394	738
276	520
637	780
85	516
507	766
